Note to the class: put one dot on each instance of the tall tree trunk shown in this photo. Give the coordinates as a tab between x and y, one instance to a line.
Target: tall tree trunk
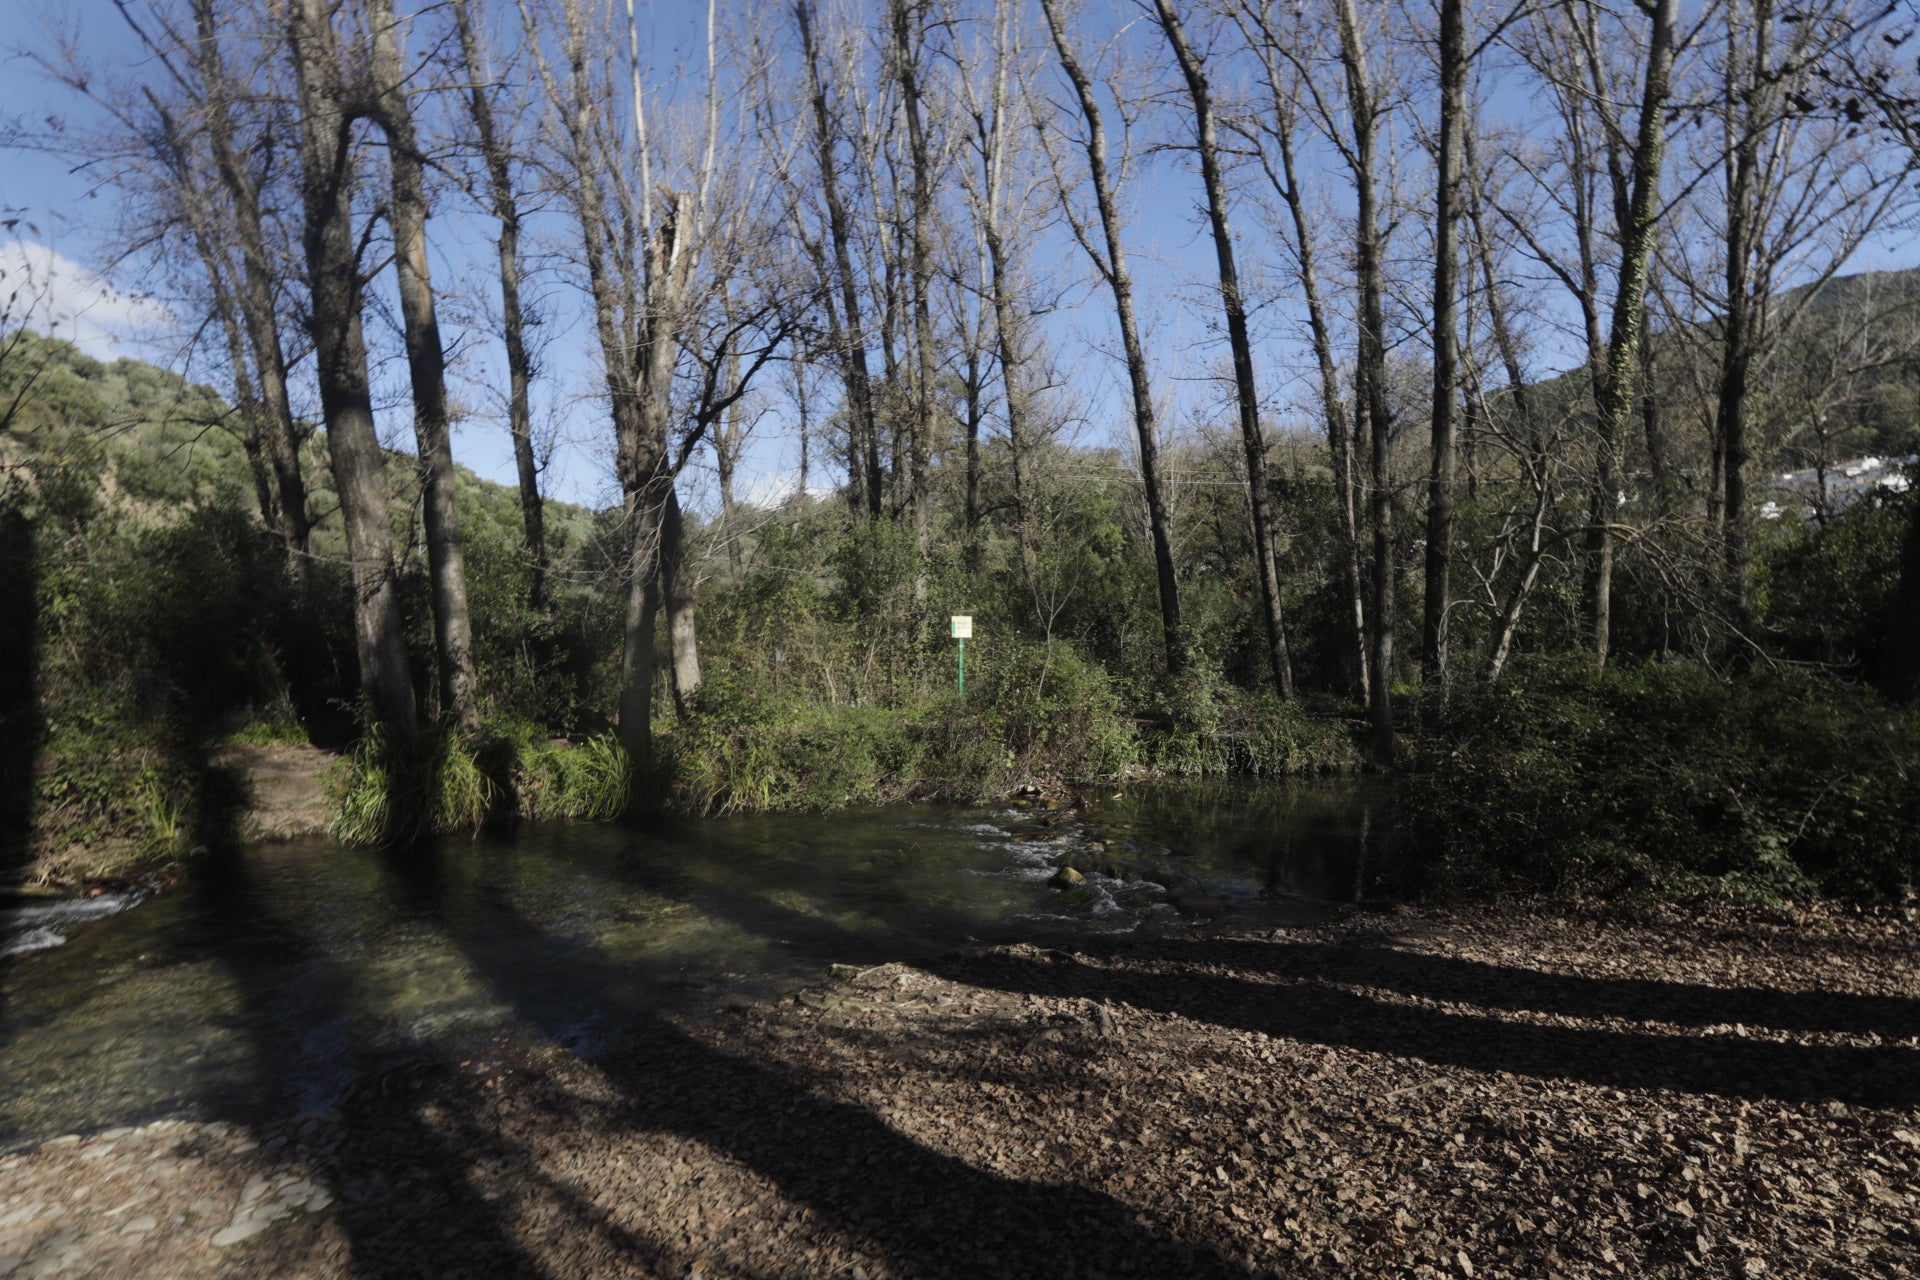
1252	438
921	268
863	425
340	351
506	209
676	582
427	366
976	414
1007	335
1286	183
1614	397
1500	641
806	434
254	291
1446	340
726	458
1113	268
1371	371
1739	339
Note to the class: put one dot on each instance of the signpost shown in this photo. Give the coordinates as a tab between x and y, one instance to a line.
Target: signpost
962	630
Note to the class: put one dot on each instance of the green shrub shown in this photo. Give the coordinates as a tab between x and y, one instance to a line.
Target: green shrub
1668	778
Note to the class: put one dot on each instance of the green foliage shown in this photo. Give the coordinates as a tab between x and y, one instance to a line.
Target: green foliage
1669	779
1824	591
591	781
161	814
399	785
1203	726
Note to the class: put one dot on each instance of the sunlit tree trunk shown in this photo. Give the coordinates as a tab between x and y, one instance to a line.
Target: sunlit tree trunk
254	288
427	368
1247	395
1446	340
863	426
1371	368
340	353
1111	262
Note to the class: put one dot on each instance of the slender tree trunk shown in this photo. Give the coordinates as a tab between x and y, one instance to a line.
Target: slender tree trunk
427	365
340	351
637	651
806	435
1614	398
506	208
1500	643
1446	341
255	292
1113	268
921	268
976	414
1333	406
1372	372
1007	335
726	458
854	353
1247	394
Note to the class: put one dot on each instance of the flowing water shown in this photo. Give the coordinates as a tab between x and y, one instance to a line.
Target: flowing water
273	976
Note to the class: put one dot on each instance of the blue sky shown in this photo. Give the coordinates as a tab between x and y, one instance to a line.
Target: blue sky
67	233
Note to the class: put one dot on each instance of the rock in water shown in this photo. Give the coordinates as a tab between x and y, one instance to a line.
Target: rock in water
1066	878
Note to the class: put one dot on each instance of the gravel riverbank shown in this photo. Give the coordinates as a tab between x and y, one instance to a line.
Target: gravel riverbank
1502	1092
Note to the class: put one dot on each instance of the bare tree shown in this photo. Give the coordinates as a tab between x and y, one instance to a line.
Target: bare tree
1272	132
864	426
427	370
340	350
1246	393
1109	260
1446	337
504	202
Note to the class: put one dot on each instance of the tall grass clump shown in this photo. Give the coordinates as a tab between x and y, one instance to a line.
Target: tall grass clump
400	785
591	781
1669	779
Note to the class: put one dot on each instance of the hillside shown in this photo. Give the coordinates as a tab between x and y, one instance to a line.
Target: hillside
159	440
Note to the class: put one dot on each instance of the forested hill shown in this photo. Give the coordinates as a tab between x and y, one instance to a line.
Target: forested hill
161	442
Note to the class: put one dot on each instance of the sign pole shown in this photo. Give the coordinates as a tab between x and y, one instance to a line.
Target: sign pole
962	629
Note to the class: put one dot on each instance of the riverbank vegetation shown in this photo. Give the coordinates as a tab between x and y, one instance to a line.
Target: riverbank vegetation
1647	625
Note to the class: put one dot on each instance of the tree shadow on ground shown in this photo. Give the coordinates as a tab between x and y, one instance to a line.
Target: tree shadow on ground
1452	978
929	1214
1217	983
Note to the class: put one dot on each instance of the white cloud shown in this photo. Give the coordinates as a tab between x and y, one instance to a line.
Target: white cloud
770	489
54	294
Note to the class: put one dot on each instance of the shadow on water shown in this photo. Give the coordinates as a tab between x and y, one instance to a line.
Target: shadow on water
387	1167
1306	1005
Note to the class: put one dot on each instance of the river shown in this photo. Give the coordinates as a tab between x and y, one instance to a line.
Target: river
272	977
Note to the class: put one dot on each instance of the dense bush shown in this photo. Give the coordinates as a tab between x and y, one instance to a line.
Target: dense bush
1669	778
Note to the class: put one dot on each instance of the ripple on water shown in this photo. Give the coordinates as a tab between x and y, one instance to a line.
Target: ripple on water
38	927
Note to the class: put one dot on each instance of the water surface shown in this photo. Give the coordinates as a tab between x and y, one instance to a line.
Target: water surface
276	974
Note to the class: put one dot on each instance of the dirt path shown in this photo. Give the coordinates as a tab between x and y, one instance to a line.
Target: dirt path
1465	1093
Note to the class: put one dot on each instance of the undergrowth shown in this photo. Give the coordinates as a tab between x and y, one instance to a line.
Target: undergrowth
1671	780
